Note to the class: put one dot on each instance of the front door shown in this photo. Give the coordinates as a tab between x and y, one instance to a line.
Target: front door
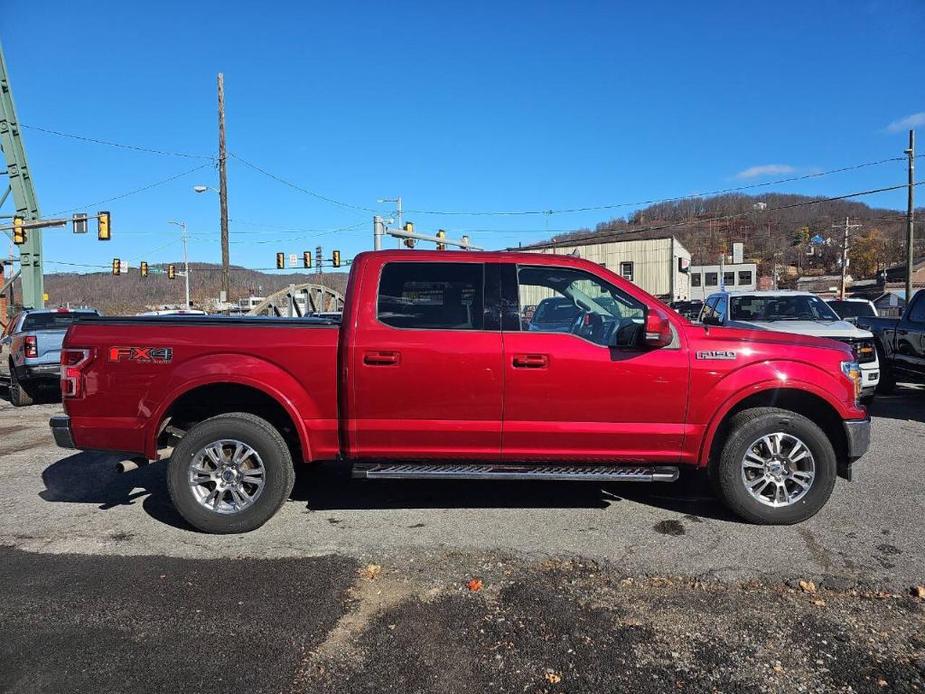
427	367
568	395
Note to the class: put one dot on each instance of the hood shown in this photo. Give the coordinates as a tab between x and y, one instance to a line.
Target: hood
838	329
746	336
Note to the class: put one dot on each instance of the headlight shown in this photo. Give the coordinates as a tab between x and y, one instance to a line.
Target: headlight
853	372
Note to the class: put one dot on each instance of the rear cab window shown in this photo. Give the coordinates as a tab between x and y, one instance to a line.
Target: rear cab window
53	320
432	296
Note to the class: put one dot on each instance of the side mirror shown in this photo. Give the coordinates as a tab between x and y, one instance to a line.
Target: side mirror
658	329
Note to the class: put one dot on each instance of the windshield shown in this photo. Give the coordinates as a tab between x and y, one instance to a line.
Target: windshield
51	321
779	307
852	309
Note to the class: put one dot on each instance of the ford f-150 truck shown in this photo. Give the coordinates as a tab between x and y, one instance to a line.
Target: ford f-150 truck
900	343
30	350
433	373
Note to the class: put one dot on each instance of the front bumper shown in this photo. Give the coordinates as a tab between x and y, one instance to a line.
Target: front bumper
61	430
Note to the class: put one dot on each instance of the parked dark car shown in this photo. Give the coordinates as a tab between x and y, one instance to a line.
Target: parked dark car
900	343
688	309
554	315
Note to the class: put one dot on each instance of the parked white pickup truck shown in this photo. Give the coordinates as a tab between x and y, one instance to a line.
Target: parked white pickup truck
801	313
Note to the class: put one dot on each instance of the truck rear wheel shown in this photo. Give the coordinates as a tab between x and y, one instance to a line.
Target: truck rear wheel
19	395
230	474
776	467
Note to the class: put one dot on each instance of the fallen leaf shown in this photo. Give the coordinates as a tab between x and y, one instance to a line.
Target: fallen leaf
920	592
808	586
371	572
882	682
553	677
475	584
820	603
778	667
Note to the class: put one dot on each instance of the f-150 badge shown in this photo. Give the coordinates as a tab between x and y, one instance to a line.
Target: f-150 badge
143	355
716	354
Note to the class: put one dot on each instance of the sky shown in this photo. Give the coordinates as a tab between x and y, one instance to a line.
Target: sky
473	107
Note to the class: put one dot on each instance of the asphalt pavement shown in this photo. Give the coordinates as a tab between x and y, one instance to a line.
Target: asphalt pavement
361	585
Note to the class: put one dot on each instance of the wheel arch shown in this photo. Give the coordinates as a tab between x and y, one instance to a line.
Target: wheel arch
810	405
200	401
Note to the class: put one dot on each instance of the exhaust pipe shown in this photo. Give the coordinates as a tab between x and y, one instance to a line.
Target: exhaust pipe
129	465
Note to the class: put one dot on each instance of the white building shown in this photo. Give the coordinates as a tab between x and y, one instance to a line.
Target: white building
706	279
657	265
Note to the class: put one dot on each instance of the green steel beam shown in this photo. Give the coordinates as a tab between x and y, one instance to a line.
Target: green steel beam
20	182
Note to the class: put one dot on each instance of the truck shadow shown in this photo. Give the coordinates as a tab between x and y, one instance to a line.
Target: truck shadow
327	487
907	403
91	478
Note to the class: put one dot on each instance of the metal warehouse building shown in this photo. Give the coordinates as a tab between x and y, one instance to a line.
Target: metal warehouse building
657	265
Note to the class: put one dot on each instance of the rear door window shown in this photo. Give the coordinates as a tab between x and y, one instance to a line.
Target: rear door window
432	296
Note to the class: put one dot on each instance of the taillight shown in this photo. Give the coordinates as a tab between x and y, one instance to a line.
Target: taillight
31	347
72	363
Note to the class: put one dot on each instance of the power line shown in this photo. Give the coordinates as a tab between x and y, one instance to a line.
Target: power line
640	203
299	188
734	215
132	192
108	143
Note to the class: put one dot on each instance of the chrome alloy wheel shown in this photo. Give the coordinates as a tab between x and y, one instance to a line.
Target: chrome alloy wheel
778	469
226	476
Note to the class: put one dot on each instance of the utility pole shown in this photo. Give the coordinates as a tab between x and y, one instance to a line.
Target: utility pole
222	186
844	254
185	238
910	218
378	232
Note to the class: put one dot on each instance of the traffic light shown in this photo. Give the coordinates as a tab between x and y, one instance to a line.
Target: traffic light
441	234
79	222
409	227
335	258
103	231
116	266
307	259
143	268
19	231
171	272
280	261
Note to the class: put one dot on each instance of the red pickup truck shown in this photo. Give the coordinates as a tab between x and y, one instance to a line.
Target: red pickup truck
437	370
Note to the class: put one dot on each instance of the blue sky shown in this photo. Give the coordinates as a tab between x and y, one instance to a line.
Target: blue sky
471	106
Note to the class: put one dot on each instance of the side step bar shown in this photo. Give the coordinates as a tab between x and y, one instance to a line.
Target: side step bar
501	471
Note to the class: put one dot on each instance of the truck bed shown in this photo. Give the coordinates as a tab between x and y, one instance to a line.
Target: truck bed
142	365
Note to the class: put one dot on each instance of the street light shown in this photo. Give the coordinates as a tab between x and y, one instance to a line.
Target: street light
185	240
203	189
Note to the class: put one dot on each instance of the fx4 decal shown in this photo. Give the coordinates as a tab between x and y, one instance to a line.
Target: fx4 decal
716	354
141	355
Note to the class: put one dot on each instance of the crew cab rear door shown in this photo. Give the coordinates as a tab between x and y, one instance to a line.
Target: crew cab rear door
569	396
909	352
426	375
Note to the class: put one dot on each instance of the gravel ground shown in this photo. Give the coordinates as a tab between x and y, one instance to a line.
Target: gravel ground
357	586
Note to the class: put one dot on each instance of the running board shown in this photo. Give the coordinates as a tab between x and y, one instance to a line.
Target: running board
499	471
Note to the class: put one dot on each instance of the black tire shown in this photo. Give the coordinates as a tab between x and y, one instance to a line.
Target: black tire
887	383
744	429
257	433
20	396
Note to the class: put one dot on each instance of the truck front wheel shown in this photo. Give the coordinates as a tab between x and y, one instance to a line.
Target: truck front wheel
776	467
230	474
